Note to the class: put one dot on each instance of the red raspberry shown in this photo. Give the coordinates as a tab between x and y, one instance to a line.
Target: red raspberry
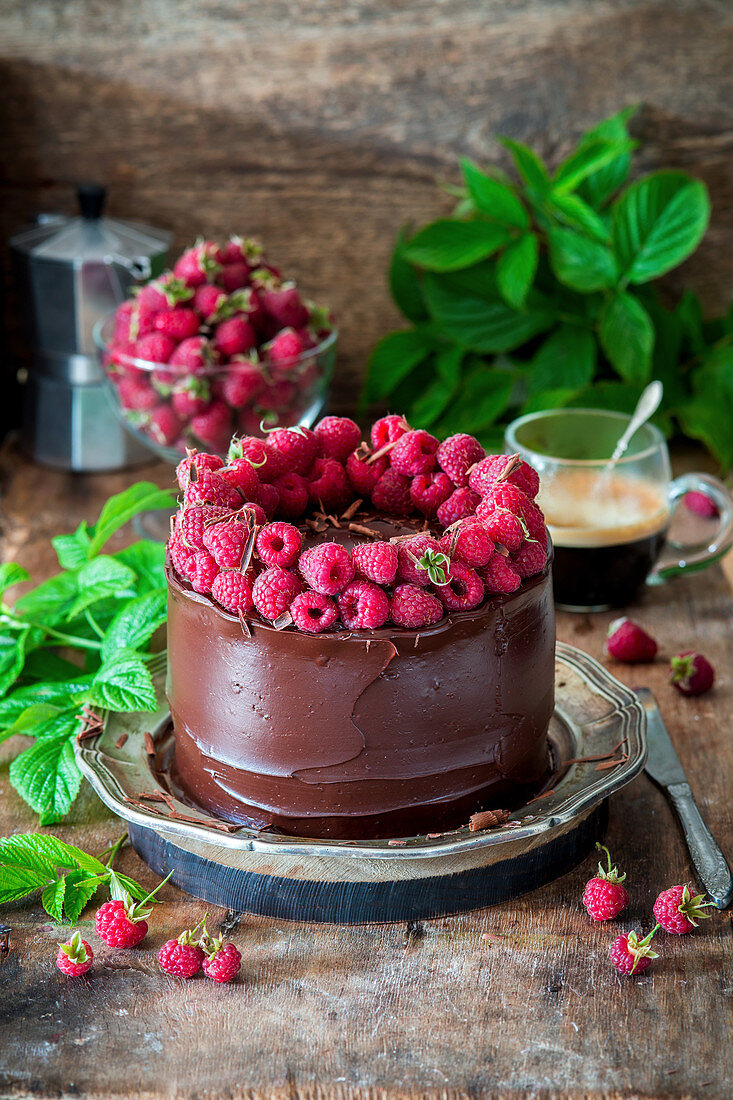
191	399
416	557
459	505
242	476
136	394
387	430
414	453
214	427
210	488
413	607
327	568
504	469
234	336
530	558
391	494
156	347
201	570
255	513
337	437
429	491
200	461
375	561
604	897
293	490
469	543
363	474
242	384
233	590
284	304
194	354
279	544
179	553
75	956
628	642
297	446
691	673
274	591
226	542
313	612
499	577
178	323
504	496
233	276
505	528
268	497
222	963
284	350
457	454
630	955
328	484
199	264
192	520
678	910
117	927
464	589
164	426
208	299
363	606
182	957
701	505
267	461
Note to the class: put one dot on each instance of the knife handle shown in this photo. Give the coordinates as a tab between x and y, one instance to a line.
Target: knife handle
709	862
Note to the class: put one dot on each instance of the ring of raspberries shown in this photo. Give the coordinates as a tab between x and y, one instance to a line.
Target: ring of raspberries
262	534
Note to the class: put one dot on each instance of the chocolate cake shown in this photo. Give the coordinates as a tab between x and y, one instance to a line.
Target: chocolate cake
290	714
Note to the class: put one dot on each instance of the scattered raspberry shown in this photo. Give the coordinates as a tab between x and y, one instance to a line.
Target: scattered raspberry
429	491
630	955
313	612
198	265
117	927
233	590
375	561
182	957
604	897
506	469
691	673
388	430
337	437
242	476
285	350
460	505
75	956
208	300
505	528
194	354
328	484
279	544
226	542
201	570
392	494
628	642
701	505
254	512
364	474
464	588
191	399
327	568
530	559
222	963
414	453
363	606
678	911
414	608
499	577
201	462
417	557
285	305
457	454
274	591
293	490
210	488
298	446
267	461
469	543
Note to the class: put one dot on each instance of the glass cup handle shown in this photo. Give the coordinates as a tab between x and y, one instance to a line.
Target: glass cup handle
684	560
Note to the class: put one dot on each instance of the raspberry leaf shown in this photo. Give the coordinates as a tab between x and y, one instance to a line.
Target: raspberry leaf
47	777
147	561
72	550
123	683
134	624
144	496
99	578
52	898
11	573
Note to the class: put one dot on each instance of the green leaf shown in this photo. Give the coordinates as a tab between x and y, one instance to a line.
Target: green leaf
134	624
566	360
658	222
487	326
147	561
60	692
581	263
627	337
52	898
548	399
528	164
119	509
138	892
44	854
515	270
123	683
618	396
101	577
393	359
689	313
576	213
601	184
493	198
18	882
11	573
405	284
46	776
482	399
447	245
12	657
434	399
592	154
72	550
80	889
49	602
30	720
710	422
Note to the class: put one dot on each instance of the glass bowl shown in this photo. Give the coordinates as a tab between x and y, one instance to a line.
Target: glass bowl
171	407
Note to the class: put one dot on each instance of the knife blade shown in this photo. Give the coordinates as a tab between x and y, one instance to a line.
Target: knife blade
664	767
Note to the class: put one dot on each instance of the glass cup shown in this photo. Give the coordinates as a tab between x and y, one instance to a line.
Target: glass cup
610	527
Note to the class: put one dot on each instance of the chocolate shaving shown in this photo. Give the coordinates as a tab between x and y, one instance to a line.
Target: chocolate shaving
333	521
142	805
606	764
149	743
363	450
511	466
247	554
382	451
283	621
352	509
368	644
152	796
222	826
397	843
488	819
596	756
121	740
244	624
537	797
360	529
417	639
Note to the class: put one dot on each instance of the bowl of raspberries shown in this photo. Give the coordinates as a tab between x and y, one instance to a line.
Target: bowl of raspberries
220	345
321	530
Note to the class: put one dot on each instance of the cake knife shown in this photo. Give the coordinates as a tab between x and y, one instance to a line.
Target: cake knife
664	767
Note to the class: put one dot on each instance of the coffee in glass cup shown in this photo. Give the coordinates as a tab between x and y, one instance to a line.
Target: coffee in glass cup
609	526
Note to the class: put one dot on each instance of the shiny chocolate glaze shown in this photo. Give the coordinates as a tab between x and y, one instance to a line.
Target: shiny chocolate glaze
378	733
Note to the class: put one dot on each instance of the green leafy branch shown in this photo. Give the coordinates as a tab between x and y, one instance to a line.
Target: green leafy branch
538	293
79	639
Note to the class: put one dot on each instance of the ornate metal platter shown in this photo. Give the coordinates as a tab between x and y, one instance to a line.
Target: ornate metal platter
598	739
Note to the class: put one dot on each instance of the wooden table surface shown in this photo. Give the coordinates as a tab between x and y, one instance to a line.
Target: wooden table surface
517	1000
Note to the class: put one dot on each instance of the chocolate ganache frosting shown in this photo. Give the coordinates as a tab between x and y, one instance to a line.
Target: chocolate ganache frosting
381	733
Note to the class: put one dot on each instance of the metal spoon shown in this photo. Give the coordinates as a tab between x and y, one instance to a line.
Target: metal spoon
646	406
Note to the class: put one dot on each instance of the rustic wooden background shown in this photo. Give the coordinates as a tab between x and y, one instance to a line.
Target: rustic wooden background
323	125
